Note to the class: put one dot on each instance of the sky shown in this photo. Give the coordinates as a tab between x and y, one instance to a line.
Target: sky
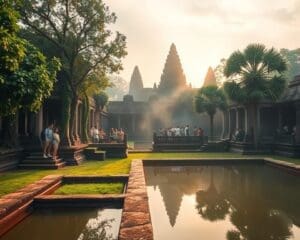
204	31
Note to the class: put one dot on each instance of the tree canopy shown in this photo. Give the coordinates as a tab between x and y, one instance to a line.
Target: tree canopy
258	74
79	30
209	99
292	58
26	78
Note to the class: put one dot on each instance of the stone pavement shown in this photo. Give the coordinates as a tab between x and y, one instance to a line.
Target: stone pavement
136	220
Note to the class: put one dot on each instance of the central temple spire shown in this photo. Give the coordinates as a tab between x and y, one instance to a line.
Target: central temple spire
172	78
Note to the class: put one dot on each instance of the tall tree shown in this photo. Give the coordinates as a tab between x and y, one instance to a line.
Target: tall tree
292	58
259	74
209	99
26	78
79	30
172	78
118	88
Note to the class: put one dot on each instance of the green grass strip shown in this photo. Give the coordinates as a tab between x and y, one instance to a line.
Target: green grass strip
90	188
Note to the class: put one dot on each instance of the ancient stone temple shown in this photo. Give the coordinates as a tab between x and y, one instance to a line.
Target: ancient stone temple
278	124
169	104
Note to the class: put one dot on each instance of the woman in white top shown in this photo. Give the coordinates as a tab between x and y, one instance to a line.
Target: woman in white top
56	141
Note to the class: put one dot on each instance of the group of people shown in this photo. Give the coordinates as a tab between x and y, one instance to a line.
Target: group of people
99	135
180	131
50	140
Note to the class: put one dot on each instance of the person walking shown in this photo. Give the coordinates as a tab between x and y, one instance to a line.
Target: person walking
48	140
55	142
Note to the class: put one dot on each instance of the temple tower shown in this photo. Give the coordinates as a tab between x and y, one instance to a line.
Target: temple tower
172	78
210	78
136	83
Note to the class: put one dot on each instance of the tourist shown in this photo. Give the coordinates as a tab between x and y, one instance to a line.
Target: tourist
95	135
48	140
195	132
55	142
182	131
92	132
121	136
187	130
102	135
177	131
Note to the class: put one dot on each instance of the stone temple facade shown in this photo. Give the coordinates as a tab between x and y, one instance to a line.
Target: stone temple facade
168	104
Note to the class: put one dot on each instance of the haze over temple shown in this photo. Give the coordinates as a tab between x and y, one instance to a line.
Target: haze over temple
140	112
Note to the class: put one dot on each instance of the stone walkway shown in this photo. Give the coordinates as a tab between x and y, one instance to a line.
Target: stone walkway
136	220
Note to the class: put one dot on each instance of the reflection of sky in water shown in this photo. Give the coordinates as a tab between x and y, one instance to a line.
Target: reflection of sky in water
240	202
68	224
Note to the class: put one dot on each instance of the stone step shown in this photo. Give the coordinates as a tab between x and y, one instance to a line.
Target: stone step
42	161
42	166
37	157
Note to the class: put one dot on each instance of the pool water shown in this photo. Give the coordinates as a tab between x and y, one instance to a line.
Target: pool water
231	202
68	224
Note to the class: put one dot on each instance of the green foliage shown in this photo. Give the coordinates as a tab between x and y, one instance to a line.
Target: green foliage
101	99
90	188
79	30
292	57
209	99
258	74
26	78
12	48
28	86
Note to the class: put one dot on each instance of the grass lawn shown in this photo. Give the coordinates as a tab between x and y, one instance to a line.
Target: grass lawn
14	180
90	188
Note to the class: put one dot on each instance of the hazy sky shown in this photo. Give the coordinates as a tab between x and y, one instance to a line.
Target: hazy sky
204	31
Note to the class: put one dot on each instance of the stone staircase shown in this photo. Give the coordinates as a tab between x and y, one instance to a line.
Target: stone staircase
92	153
35	160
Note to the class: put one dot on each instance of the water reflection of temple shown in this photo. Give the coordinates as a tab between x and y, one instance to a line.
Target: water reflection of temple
252	196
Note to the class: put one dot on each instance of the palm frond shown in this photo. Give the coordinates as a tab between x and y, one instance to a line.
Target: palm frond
234	64
274	61
254	54
276	87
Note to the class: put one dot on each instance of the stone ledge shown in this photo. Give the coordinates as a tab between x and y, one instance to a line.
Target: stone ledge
13	201
136	219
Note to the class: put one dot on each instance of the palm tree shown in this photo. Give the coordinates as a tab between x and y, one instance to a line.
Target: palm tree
258	74
209	99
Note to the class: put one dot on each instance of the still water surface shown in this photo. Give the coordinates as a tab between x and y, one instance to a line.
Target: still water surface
232	202
68	224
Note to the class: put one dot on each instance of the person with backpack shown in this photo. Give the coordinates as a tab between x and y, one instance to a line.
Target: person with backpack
47	138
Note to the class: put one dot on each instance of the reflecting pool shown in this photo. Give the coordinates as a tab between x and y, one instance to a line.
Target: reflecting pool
231	202
68	224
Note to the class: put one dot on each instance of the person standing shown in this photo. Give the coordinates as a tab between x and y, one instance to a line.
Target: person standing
55	142
187	130
48	140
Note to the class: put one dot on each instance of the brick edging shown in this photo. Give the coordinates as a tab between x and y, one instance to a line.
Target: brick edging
136	219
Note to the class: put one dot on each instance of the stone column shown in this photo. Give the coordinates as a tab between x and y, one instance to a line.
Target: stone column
119	121
229	124
133	124
237	125
76	136
246	120
39	122
25	123
297	136
225	124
